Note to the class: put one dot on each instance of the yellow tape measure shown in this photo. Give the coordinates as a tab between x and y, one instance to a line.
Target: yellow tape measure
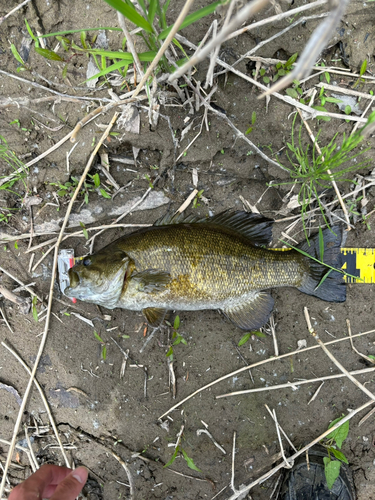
359	262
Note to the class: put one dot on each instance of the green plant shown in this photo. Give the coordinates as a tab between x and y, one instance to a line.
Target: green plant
19	173
312	172
362	71
253	120
89	186
189	461
196	203
153	30
104	348
248	336
335	438
323	99
176	337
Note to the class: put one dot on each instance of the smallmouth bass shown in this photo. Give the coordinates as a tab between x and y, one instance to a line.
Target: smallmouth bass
216	263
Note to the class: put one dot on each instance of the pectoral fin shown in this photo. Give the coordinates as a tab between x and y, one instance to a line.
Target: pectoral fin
154	315
251	314
151	280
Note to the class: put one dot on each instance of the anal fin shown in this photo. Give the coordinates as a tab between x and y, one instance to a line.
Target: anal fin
253	313
154	315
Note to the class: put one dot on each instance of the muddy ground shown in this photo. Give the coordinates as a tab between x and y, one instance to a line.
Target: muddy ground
97	411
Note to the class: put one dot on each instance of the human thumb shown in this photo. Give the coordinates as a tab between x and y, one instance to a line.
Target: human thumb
72	485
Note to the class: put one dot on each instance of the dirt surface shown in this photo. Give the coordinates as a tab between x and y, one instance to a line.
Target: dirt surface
98	413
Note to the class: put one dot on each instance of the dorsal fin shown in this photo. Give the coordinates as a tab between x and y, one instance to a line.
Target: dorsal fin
255	227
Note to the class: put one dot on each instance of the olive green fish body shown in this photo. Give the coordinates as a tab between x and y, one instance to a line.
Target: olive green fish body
216	263
209	267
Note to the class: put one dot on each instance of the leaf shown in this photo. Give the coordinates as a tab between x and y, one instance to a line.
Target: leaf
48	54
339	455
174	456
331	471
16	54
266	79
176	324
292	59
244	339
328	77
98	338
30	31
104	352
259	334
192	18
253	117
250	129
35	313
104	193
338	435
152	10
131	14
371	356
292	93
333	99
348	110
113	67
96	180
170	352
321	244
363	68
190	462
84	230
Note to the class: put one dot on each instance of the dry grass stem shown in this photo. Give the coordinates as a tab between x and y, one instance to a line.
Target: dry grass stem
273	331
281	429
240	17
34	462
129	43
287	464
333	359
45	402
314	396
293	385
23	303
19	6
276	18
53	277
333	182
5	320
233	457
25	287
370	360
259	363
313	113
366	417
313	48
172	377
342	90
205	431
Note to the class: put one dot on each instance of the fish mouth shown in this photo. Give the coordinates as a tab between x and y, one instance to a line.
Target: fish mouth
74	279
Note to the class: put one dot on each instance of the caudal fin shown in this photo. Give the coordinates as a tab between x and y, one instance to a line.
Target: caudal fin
333	287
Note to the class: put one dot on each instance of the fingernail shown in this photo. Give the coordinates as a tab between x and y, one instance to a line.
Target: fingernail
80	474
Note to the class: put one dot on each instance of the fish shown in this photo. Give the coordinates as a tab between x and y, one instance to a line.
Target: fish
220	262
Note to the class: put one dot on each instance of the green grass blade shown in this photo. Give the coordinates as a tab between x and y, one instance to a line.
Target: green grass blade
321	244
105	71
70	32
192	18
125	56
30	31
16	54
152	10
131	14
48	54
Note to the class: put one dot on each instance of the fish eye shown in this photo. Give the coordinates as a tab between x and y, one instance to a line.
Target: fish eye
86	262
